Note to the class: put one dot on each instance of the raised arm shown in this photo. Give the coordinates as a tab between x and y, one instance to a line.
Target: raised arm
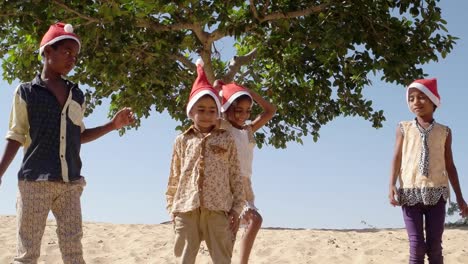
269	111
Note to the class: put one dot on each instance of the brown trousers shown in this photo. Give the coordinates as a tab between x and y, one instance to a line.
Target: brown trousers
34	201
202	224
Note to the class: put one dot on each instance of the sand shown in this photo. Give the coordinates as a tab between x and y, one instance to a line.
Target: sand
106	243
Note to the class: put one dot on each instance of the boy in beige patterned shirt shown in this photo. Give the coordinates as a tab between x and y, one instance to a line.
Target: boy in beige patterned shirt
205	193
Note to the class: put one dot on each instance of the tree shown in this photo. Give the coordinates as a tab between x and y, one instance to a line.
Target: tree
454	209
311	58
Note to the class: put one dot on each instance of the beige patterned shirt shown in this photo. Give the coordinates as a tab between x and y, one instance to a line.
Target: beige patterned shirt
204	173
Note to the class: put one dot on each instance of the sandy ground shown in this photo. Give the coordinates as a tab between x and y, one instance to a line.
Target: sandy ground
127	244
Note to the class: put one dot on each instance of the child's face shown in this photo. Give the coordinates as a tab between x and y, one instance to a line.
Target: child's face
419	103
239	112
62	57
204	113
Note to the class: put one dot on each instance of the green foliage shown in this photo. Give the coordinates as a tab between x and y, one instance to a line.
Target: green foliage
313	58
452	210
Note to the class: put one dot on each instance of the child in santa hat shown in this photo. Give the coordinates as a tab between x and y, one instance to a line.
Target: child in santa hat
204	193
237	105
424	166
47	120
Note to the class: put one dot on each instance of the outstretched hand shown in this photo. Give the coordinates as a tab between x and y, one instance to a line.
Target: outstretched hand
123	117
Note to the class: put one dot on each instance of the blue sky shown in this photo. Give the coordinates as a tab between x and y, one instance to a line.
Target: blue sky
339	182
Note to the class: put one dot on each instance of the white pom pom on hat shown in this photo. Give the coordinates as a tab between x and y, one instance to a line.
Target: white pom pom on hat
200	62
68	28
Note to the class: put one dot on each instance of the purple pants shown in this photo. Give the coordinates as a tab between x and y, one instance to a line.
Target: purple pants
432	218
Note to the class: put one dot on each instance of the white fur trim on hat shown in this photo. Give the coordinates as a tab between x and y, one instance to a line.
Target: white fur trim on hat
57	39
421	87
233	97
199	95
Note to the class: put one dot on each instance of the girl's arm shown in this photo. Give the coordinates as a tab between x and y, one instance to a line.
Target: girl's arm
395	170
453	175
269	111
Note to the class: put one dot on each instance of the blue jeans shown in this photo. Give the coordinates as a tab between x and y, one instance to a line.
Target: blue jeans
432	219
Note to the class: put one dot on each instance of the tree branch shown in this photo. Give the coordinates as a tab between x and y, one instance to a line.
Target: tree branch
162	28
254	9
7	15
185	61
294	14
244	75
216	35
64	6
265	7
201	34
237	62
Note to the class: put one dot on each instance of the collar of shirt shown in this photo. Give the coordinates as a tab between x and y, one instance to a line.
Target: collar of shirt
37	81
193	129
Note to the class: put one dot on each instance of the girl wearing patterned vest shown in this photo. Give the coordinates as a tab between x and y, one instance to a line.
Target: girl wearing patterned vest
423	164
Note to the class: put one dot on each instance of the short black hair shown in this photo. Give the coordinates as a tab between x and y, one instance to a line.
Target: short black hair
241	98
57	44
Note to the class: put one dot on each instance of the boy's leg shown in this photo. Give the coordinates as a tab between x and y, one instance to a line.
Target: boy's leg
413	217
187	236
435	220
219	239
67	211
33	204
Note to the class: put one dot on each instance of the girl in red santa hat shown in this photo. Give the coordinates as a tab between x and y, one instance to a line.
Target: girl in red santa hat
424	166
237	104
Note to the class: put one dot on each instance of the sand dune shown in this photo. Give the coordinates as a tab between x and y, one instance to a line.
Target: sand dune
127	244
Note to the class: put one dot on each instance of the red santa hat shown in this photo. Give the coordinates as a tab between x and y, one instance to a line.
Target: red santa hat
230	92
202	87
428	87
57	32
